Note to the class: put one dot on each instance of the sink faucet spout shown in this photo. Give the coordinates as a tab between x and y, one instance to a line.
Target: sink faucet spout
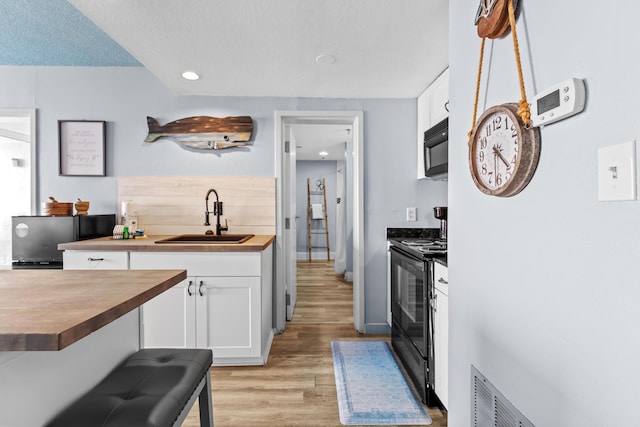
217	211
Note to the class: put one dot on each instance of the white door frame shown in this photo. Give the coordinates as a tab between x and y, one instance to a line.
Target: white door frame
354	118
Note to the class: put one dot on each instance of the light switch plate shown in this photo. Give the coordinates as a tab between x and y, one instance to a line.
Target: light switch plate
412	214
617	172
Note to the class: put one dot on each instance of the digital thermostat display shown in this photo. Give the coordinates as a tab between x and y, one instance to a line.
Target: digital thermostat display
558	102
549	102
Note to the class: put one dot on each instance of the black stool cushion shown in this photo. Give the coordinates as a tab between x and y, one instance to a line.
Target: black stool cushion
149	389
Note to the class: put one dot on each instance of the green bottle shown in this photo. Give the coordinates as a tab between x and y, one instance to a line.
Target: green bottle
125	233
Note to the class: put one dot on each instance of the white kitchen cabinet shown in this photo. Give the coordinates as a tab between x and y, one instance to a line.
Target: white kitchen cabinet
424	123
389	315
225	321
441	332
168	320
224	305
432	108
439	99
95	260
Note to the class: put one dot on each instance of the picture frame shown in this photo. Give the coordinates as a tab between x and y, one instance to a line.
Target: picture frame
82	147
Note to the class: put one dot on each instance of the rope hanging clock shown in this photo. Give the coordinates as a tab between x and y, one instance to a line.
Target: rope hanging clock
503	146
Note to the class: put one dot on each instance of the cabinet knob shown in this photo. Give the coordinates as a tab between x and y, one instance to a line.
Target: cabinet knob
441	280
95	259
189	287
200	288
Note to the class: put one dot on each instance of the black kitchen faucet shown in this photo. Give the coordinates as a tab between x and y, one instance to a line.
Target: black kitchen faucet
217	211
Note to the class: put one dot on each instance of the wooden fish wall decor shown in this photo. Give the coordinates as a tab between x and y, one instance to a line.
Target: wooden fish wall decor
204	132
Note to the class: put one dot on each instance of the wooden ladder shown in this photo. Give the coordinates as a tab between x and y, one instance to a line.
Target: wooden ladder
323	230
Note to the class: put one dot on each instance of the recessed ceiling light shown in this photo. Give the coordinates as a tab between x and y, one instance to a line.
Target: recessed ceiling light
325	59
190	75
323	153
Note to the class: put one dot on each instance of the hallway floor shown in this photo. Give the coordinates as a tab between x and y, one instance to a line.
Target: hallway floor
297	386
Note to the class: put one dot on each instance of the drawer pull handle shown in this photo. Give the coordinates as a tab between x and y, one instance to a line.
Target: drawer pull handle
96	259
441	280
189	287
200	288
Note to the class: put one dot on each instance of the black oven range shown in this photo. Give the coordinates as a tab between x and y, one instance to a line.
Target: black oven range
412	290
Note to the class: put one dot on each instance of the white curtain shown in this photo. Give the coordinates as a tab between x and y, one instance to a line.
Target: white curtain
340	261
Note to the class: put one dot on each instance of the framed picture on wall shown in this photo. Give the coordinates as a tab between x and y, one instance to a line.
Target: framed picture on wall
82	145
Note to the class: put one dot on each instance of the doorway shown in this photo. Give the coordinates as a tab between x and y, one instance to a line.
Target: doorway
321	152
17	156
285	290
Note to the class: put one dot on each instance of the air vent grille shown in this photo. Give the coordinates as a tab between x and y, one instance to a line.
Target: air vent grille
490	408
482	402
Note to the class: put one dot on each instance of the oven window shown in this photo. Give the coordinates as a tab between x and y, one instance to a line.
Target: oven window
409	298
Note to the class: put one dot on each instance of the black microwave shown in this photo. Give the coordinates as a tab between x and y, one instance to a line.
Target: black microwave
436	150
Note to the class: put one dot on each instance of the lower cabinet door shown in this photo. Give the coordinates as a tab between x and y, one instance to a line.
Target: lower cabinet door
225	322
168	320
441	346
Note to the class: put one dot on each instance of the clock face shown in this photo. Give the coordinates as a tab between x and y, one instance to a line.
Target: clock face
496	150
503	153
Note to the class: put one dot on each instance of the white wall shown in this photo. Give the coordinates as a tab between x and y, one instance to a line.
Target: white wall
125	96
545	285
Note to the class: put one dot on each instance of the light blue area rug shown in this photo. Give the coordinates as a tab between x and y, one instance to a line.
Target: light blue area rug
371	388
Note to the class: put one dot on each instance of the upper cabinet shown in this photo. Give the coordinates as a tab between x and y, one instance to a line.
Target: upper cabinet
433	107
439	99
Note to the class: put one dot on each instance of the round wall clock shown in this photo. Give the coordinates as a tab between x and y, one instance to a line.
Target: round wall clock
503	153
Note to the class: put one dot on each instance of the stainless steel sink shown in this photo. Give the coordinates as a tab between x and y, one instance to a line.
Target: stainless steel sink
207	238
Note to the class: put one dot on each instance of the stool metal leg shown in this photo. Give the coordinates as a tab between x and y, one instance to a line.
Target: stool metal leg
205	403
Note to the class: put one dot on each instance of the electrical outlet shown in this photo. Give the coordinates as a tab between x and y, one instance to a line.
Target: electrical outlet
617	172
412	214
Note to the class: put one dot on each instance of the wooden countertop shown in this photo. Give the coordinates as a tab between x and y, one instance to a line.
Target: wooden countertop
51	309
257	243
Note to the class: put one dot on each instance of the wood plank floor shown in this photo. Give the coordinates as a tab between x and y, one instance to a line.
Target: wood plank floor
297	386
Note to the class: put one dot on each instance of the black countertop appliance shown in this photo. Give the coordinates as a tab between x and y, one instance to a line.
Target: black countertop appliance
35	239
440	212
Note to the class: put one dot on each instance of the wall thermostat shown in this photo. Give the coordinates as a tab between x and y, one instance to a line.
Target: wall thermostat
558	102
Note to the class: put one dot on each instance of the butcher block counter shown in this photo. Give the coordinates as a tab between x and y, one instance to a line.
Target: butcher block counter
255	244
52	309
62	331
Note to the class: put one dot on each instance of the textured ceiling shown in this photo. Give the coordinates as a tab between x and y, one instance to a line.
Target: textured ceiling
375	48
382	48
53	32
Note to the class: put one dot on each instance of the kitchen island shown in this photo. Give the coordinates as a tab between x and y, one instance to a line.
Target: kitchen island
62	331
225	303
